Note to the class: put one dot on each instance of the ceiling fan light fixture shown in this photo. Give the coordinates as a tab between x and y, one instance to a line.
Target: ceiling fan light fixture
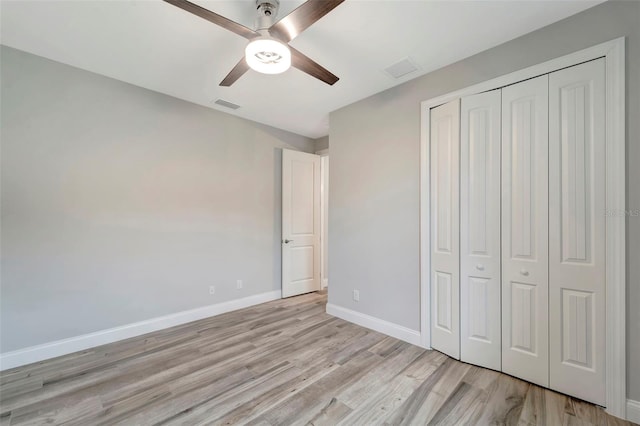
268	55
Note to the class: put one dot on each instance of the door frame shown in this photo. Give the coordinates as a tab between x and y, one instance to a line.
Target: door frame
324	218
614	53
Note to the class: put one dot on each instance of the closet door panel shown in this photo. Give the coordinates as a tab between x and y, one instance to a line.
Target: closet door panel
525	337
480	341
577	231
445	228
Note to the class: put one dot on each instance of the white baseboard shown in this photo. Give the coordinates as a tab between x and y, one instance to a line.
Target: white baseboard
37	353
385	327
633	411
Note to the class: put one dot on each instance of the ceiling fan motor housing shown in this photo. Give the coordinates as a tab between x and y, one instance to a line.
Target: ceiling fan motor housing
267	12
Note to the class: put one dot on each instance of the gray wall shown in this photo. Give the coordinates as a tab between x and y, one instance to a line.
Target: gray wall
322	143
120	204
374	200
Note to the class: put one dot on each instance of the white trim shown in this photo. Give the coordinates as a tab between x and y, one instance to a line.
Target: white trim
324	219
425	229
73	344
615	262
614	53
322	152
385	327
633	411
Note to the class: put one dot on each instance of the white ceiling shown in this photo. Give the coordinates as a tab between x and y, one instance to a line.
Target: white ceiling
154	45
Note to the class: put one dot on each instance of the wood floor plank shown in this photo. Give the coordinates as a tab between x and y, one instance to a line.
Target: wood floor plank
5	420
410	410
184	395
109	378
265	401
58	414
330	414
203	369
542	407
284	362
377	379
296	407
450	381
378	407
234	398
464	406
505	401
19	387
424	366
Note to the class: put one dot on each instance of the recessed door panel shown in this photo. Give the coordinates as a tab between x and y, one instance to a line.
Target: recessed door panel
479	313
480	230
303	191
578	331
577	230
445	228
443	283
525	349
524	306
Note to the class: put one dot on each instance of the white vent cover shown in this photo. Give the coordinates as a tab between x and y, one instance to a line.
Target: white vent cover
226	104
402	68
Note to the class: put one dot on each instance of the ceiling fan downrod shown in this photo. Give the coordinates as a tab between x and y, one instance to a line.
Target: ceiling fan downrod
267	12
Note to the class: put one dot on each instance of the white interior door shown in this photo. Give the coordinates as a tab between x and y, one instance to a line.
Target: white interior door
480	327
445	231
300	223
525	230
577	231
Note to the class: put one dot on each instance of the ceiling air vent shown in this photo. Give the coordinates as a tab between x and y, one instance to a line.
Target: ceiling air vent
402	68
226	104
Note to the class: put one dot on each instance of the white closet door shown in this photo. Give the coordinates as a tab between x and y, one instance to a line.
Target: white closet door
480	326
445	229
525	251
577	231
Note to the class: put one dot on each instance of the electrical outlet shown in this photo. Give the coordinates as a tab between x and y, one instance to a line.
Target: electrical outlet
212	289
239	284
356	295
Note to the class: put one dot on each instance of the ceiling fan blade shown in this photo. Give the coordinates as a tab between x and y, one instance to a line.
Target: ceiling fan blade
213	17
237	72
302	18
311	67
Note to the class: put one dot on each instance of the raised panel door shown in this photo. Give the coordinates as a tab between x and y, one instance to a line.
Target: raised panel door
577	230
445	228
480	339
525	349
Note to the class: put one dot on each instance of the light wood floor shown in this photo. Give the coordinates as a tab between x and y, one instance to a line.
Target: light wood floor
283	362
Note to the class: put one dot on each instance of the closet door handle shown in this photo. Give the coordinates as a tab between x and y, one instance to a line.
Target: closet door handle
479	267
524	272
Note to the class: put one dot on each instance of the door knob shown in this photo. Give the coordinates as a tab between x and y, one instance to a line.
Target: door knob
479	267
524	272
287	241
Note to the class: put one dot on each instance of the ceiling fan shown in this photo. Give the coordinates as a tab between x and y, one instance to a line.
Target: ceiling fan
268	50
